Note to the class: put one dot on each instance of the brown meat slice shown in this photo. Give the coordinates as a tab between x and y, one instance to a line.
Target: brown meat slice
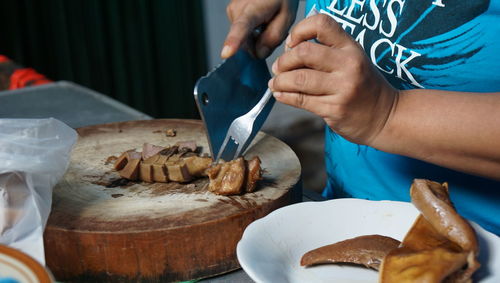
253	174
197	165
131	169
440	245
227	178
149	150
367	250
178	172
160	173
174	157
151	160
187	145
121	161
146	172
169	151
125	157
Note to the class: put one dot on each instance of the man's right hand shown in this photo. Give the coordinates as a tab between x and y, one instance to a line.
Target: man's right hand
276	16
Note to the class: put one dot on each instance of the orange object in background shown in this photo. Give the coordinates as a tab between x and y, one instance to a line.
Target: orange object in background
26	77
3	59
16	76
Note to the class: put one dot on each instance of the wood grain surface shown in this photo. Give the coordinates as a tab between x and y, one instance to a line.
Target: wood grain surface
154	232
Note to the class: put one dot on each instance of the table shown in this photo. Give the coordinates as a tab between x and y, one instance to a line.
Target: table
78	106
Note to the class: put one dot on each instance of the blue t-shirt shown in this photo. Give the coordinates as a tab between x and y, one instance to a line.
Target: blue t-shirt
435	44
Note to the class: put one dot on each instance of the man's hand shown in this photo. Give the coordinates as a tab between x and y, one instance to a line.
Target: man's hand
333	79
246	15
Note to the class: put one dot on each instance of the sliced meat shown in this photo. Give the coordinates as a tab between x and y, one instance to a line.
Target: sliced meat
187	146
197	165
162	159
227	178
367	250
169	151
149	150
160	173
125	157
146	172
433	201
440	245
174	157
430	266
253	174
121	161
151	160
127	164
131	169
178	172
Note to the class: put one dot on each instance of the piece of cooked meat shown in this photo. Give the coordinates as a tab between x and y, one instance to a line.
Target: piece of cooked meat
169	151
149	150
146	172
253	174
197	165
160	173
187	146
131	162
227	178
124	158
440	246
180	163
178	172
367	250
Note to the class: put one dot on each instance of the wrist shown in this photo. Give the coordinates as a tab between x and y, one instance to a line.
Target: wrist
384	129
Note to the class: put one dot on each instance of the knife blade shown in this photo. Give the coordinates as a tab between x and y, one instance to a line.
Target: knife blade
229	91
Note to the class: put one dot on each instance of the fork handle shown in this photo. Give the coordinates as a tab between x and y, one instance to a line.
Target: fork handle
262	102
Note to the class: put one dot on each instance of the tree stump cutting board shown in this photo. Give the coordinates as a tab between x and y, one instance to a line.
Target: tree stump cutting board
101	229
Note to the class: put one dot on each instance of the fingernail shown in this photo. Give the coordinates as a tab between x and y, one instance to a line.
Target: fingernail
226	51
263	51
277	95
288	40
274	67
270	83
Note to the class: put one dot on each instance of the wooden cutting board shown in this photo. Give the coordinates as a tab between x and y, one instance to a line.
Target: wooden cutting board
103	230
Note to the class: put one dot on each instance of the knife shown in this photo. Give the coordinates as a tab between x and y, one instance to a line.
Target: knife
229	91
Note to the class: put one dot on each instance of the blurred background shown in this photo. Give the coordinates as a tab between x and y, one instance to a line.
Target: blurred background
147	54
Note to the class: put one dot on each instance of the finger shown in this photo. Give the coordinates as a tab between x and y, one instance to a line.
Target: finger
301	80
241	29
322	28
310	103
273	35
310	55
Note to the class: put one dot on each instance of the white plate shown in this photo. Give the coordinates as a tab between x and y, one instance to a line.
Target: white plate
271	247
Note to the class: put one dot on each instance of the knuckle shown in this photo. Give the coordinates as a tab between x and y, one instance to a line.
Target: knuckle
278	83
323	21
303	49
300	100
300	80
355	63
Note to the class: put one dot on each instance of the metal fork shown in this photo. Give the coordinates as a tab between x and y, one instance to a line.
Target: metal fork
241	128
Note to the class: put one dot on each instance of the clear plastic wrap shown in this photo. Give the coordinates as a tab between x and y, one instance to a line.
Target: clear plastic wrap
34	155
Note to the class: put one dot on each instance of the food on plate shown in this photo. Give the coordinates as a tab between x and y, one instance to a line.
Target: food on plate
181	163
367	250
440	246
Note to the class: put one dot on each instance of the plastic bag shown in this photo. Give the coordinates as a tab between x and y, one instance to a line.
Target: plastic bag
34	155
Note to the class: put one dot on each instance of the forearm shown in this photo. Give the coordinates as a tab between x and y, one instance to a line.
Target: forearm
456	130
